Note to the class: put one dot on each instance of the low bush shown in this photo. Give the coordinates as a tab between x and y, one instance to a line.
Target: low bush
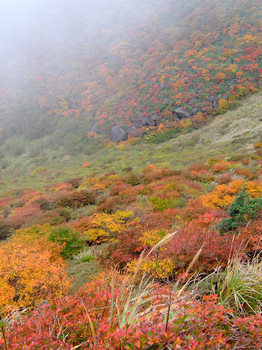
111	315
241	211
5	230
75	182
76	199
69	239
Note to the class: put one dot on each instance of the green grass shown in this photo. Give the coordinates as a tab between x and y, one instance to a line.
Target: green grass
240	286
81	272
85	256
84	266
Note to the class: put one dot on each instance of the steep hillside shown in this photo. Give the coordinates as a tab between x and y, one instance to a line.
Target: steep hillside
171	63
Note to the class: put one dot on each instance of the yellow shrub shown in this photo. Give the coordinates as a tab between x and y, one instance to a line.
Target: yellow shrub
152	237
106	226
31	269
223	103
155	268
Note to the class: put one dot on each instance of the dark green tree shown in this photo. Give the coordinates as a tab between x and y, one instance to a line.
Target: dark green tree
241	211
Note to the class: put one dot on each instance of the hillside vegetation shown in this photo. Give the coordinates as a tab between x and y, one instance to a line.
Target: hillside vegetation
198	56
233	132
154	241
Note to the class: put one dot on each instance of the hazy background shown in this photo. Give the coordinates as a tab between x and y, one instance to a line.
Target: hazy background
47	45
38	34
45	23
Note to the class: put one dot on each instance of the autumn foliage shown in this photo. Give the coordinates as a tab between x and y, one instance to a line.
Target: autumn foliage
32	269
160	236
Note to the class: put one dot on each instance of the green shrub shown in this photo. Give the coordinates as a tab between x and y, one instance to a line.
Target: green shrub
241	211
161	204
160	137
5	230
72	244
239	287
133	180
4	164
75	182
43	203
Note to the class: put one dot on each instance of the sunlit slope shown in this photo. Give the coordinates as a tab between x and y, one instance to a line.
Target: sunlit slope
234	132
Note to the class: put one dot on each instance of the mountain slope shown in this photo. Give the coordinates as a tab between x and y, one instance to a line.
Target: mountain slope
236	131
197	55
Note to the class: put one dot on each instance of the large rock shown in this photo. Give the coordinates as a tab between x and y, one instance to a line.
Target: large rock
118	134
214	101
181	113
194	111
150	121
131	129
232	82
223	96
145	121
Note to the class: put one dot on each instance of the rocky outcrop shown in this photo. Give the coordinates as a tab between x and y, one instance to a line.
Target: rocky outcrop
194	111
180	113
150	121
131	129
118	134
213	101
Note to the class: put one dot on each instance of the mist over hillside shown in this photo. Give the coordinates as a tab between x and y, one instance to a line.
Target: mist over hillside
130	174
70	71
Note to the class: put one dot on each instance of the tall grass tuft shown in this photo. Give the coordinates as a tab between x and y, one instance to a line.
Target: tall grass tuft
85	256
239	287
136	299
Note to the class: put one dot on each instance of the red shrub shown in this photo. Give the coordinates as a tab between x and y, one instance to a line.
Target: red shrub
244	173
21	215
89	319
186	243
224	179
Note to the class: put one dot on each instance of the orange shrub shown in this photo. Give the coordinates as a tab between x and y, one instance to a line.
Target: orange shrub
224	179
221	166
31	269
244	172
224	195
85	165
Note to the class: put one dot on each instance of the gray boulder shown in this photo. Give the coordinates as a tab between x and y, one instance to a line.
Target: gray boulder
194	111
145	121
211	99
150	120
232	82
214	101
224	96
118	134
181	113
132	128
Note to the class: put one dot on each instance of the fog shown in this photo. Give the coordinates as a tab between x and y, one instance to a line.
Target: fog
33	33
38	22
42	36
